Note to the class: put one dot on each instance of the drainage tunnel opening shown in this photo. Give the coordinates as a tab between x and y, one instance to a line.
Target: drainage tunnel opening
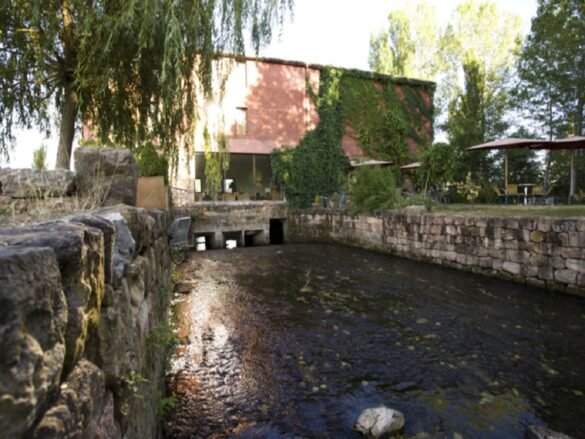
276	231
248	240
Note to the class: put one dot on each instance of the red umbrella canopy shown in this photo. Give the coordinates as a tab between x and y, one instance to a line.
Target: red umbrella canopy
511	143
575	142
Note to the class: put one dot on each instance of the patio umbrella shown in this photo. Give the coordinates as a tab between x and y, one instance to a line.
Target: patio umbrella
572	144
413	165
510	143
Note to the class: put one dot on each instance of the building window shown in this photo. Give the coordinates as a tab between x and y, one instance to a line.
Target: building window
241	122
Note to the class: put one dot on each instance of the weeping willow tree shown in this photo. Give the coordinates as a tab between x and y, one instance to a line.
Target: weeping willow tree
130	67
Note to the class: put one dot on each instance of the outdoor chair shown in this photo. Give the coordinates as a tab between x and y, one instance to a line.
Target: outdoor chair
499	193
539	195
512	192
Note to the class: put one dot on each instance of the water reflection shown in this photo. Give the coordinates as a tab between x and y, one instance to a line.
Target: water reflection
297	340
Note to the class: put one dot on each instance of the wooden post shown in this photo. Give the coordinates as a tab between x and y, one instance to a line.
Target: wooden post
254	173
506	174
573	177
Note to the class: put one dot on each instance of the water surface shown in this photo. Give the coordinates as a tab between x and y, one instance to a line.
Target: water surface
295	341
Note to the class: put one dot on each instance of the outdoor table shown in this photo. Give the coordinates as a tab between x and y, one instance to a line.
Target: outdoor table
525	186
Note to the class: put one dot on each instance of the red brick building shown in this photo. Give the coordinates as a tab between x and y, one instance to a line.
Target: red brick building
266	105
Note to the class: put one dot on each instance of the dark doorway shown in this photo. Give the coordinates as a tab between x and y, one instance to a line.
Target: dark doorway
276	231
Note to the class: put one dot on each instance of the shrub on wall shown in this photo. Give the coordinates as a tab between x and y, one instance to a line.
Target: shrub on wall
150	162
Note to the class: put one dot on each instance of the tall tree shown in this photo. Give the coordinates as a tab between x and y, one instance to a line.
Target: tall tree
416	45
552	78
129	66
552	67
411	45
469	124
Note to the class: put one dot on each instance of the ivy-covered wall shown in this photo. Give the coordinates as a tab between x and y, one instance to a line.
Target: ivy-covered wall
360	114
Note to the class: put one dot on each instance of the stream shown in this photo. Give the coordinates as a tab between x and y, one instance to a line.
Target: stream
295	341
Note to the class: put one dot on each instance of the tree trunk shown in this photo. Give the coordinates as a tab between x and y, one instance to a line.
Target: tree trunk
67	129
69	110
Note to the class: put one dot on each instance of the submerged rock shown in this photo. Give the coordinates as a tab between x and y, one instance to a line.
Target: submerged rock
540	432
379	421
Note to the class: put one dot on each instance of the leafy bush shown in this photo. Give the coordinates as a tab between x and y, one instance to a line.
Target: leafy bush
40	158
468	189
374	189
438	164
151	163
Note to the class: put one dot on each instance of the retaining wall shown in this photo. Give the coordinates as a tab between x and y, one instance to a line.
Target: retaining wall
219	219
544	252
81	301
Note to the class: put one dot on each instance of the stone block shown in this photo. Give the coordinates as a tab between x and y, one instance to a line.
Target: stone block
566	276
108	174
527	223
78	409
545	273
485	262
79	251
573	252
512	223
109	233
577	265
564	225
511	267
140	223
33	318
575	239
32	183
557	262
537	236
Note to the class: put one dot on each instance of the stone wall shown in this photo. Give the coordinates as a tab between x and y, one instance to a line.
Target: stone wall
544	252
80	300
103	177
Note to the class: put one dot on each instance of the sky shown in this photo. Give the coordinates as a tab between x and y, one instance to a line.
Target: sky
335	32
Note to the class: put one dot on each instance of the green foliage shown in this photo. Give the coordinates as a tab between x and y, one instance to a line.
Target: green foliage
381	118
411	45
316	165
175	276
151	163
164	404
468	189
421	199
374	189
177	255
438	163
416	45
162	336
376	116
217	162
40	158
132	383
552	74
130	67
468	126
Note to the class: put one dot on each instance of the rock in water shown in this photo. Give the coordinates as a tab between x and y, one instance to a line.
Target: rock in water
540	432
379	421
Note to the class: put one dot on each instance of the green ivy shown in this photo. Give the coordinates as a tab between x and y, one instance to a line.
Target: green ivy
317	165
382	117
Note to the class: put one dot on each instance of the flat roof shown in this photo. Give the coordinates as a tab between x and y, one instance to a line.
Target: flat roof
365	74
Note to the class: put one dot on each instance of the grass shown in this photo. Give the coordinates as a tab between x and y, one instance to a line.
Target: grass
511	210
